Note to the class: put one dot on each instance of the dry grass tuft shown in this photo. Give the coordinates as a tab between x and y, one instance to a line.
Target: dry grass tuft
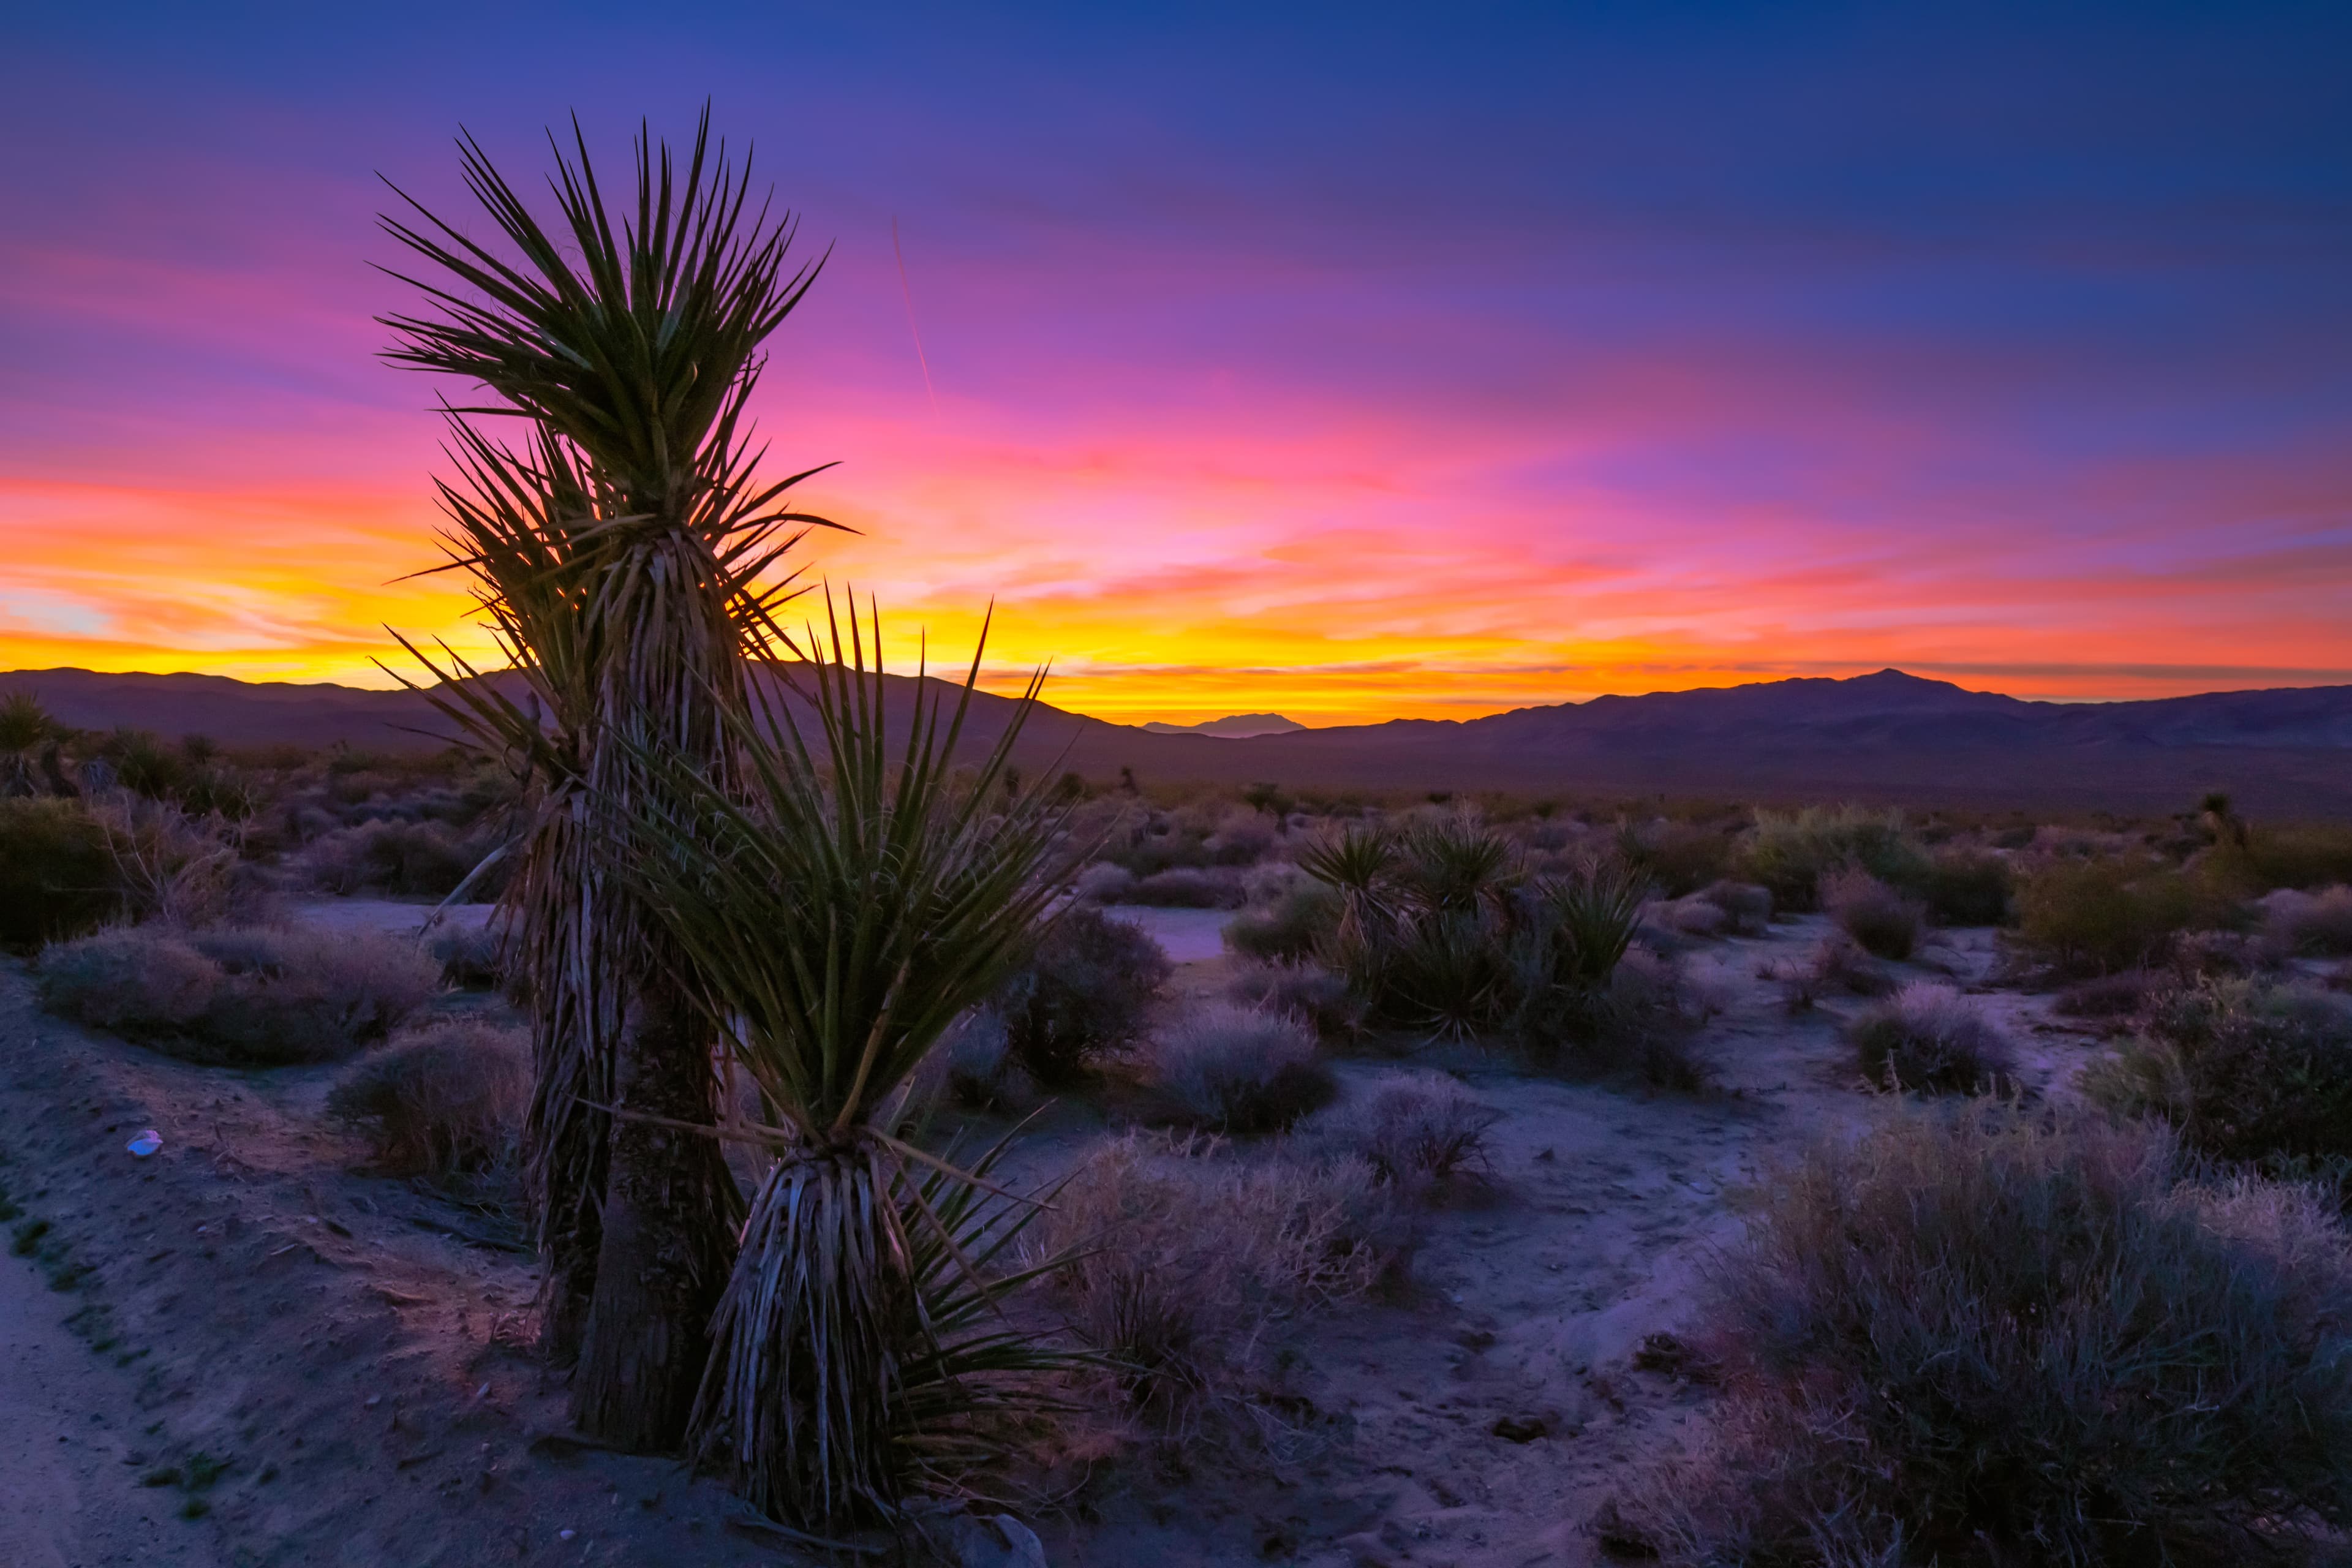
1989	1340
440	1100
1929	1037
1230	1069
1181	1258
2309	924
244	997
2245	1069
1324	1000
1885	924
1415	1130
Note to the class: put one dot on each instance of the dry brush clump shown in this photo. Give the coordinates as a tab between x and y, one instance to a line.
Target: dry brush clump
1226	1068
2095	916
1789	853
58	873
238	997
1929	1037
1325	1001
2309	925
1173	1259
2245	1069
1083	992
1885	924
1836	965
444	1099
1415	1130
1991	1339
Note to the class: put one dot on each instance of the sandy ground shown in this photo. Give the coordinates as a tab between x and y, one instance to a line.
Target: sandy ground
70	1447
351	1349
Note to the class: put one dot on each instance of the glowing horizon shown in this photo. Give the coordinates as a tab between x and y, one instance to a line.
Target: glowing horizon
1248	390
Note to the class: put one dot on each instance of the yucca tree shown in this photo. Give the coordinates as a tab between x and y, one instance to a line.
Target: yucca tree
626	560
837	905
23	725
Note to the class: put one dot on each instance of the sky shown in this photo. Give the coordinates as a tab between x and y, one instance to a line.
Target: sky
1348	363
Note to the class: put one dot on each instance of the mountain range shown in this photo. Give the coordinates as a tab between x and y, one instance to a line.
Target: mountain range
1884	737
1233	726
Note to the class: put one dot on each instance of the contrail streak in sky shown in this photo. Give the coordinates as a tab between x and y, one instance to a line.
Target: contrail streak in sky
908	295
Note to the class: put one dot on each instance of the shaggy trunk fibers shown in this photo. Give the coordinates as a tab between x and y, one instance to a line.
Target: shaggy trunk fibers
800	1406
567	958
669	1209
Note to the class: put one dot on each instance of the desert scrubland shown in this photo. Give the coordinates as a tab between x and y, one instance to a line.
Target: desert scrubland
1478	1181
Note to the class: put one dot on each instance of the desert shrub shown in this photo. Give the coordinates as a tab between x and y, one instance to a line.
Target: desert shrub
2245	1069
1881	920
246	998
2310	925
1678	857
441	1099
1413	1129
1647	1021
1231	1069
1185	888
1084	992
141	983
58	873
1297	923
1180	1260
1789	854
1242	838
1324	1000
174	867
1966	887
977	1065
410	858
1159	845
1929	1037
1991	1339
472	958
1104	883
2293	855
1836	965
2116	995
1747	906
1696	915
2090	915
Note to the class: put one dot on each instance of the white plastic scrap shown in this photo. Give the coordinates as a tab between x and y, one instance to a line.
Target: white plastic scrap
146	1143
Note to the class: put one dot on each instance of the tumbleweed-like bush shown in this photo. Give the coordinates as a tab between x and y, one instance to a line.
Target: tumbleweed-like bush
1993	1339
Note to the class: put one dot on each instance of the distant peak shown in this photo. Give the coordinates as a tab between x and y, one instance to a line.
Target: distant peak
1232	727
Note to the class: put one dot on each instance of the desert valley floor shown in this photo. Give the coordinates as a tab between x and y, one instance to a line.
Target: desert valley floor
264	1355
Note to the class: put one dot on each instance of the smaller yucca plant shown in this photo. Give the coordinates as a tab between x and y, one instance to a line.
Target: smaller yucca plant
839	907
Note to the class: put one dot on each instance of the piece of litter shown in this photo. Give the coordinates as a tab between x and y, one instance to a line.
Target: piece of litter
146	1143
565	1534
483	1391
374	1400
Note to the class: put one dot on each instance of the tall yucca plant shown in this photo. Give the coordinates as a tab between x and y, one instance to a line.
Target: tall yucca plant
626	561
837	906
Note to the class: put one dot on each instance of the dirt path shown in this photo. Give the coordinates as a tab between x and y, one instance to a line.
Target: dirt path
68	1446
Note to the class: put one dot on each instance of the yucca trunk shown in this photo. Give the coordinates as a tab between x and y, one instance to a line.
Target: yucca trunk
666	1233
804	1387
670	1205
568	962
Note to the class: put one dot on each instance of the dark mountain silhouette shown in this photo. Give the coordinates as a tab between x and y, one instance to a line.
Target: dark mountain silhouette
1233	726
1884	737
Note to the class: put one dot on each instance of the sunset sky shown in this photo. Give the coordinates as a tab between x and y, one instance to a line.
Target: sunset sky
1348	363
